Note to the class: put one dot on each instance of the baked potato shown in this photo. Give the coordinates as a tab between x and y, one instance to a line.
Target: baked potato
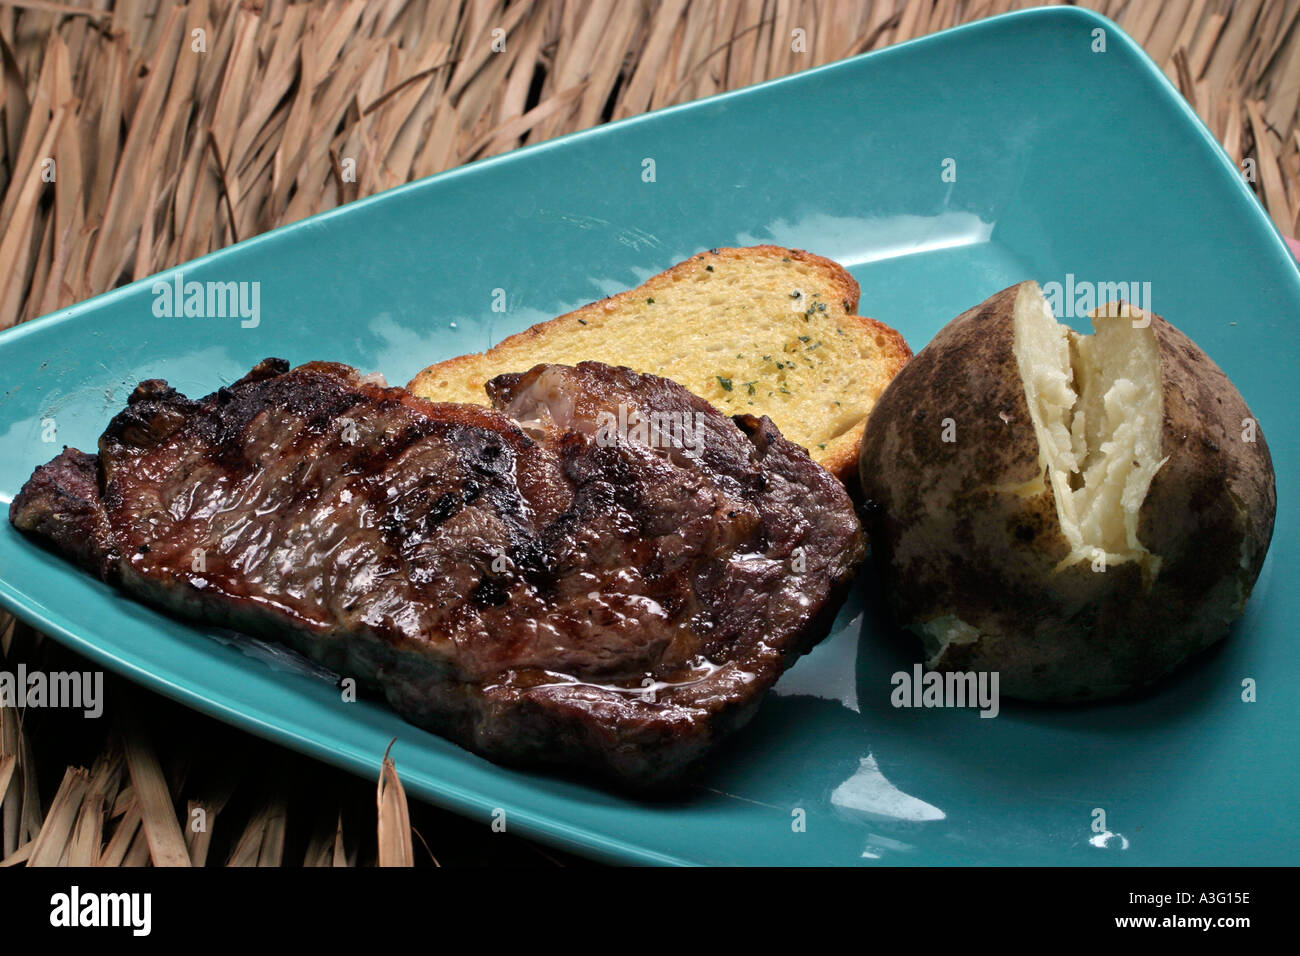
1080	513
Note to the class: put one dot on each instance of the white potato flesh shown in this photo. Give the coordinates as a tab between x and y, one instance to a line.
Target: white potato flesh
1097	407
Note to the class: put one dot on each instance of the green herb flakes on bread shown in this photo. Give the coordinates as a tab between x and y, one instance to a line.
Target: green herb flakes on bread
761	330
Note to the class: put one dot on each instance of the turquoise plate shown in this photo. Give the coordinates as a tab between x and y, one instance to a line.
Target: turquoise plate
1068	160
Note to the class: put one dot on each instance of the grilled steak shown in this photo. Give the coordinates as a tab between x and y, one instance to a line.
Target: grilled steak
604	572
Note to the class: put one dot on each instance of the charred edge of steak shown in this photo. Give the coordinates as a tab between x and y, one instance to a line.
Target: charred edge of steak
791	464
61	503
657	757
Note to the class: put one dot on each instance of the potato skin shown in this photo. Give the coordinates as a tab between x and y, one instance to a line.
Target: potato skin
951	536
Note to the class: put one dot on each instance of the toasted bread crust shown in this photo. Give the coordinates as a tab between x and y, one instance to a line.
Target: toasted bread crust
839	455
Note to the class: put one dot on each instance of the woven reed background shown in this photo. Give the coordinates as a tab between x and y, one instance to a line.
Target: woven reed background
164	152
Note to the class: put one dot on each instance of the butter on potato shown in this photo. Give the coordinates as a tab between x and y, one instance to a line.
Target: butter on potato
1078	512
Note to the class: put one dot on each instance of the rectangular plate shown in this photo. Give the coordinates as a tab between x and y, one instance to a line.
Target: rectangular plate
1067	160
